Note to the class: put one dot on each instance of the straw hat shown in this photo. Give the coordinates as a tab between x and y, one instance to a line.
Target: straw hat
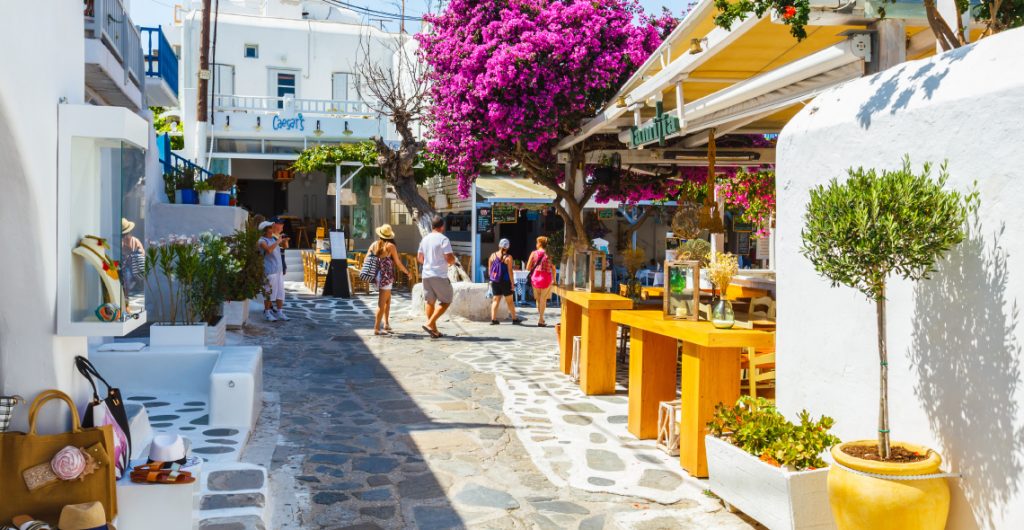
126	226
385	232
86	516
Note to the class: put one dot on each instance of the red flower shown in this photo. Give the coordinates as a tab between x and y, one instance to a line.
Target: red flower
105	266
788	12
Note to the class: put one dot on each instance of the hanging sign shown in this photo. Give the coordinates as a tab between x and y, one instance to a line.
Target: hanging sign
655	130
606	213
504	213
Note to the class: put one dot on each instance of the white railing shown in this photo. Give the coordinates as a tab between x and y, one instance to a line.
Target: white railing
289	104
108	21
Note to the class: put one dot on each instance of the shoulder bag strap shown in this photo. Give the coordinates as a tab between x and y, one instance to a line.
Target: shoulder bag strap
88	371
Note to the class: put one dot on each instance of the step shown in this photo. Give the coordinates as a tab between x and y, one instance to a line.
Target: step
233	496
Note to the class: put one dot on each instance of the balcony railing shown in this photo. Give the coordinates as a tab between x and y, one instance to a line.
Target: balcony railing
161	61
176	165
269	104
108	21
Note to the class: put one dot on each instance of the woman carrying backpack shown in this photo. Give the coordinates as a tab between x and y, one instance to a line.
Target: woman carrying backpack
542	276
499	271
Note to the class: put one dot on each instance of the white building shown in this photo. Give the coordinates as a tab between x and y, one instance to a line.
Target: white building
283	79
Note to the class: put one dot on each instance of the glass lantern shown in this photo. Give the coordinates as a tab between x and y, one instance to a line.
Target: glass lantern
590	272
682	290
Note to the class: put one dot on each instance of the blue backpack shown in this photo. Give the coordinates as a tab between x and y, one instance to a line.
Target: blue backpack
494	273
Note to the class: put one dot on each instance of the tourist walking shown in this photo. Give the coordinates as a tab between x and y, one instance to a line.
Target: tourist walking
542	276
133	259
387	259
499	271
273	289
435	253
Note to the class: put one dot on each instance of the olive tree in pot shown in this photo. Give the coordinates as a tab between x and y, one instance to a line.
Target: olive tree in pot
859	233
247	282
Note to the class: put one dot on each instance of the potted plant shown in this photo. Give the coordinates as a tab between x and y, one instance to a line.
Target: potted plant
207	194
248	281
171	188
185	183
189	276
222	186
720	270
858	233
768	467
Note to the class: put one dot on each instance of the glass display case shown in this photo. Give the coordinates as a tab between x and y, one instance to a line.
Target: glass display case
682	290
101	198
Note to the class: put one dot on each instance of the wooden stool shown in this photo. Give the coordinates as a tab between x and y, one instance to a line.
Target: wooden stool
574	370
623	343
669	415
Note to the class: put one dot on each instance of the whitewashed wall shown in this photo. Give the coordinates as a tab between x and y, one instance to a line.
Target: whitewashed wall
956	340
50	66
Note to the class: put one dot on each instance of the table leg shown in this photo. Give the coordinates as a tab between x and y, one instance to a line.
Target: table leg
570	325
708	376
652	379
597	352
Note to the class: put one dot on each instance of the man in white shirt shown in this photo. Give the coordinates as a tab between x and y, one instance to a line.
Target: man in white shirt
436	255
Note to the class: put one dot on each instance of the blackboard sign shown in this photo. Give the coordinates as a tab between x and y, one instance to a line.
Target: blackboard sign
504	213
740	226
483	220
606	213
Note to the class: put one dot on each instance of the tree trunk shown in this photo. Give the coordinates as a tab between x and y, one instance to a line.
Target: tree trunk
883	383
407	192
943	34
397	168
631	229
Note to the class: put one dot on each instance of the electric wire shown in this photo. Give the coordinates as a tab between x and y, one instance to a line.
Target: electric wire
371	12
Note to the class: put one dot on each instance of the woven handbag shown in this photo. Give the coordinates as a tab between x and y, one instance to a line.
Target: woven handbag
370	267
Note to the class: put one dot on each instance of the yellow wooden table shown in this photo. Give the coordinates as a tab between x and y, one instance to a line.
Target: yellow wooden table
710	374
589	316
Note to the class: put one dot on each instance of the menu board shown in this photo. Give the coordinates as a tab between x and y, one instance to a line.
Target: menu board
606	213
504	213
483	220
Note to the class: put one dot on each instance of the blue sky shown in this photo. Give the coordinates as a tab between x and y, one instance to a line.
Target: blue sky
156	12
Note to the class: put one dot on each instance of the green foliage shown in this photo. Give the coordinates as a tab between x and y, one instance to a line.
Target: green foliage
860	231
248	281
556	246
793	13
170	184
222	182
203	185
162	125
1010	14
323	158
697	249
757	427
193	273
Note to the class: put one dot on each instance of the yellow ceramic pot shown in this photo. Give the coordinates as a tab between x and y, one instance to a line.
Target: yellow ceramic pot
860	502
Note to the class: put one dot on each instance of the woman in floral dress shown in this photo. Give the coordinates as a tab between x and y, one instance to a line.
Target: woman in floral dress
387	255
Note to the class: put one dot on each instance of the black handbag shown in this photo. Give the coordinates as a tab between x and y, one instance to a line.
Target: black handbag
107	411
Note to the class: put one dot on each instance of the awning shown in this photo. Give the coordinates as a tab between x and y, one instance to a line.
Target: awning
497	188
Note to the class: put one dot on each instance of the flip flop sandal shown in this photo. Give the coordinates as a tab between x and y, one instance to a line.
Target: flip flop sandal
433	334
163	476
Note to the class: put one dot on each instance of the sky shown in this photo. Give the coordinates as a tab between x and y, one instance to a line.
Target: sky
156	12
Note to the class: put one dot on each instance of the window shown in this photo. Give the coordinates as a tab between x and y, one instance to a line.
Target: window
340	86
252	51
223	80
399	214
283	83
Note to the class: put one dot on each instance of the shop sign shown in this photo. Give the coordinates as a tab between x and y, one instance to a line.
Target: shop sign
655	130
289	124
504	213
483	220
606	213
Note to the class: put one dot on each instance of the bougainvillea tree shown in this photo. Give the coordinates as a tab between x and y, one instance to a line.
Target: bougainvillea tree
512	77
753	191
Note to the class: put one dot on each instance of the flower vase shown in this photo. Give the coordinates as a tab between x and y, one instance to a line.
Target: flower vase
722	315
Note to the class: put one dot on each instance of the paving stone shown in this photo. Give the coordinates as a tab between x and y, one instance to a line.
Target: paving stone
244	522
580	407
374	464
330	458
436	518
379	494
213	450
660	479
618	420
329	497
378	512
561	507
577	419
601	460
593	523
475	495
220	501
234	480
378	480
335	448
598	481
362	526
420	487
650	459
598	438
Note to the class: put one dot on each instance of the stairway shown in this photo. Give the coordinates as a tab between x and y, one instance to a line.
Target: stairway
233	496
293	262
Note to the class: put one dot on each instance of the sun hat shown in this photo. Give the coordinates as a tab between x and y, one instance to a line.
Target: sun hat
85	516
126	226
168	448
266	224
385	232
504	243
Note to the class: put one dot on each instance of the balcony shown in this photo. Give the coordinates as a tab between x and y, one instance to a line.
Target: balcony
113	54
287	104
161	69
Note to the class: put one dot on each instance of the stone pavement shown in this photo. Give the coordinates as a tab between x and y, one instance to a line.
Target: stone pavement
473	430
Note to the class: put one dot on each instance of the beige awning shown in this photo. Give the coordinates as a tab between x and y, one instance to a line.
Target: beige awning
499	188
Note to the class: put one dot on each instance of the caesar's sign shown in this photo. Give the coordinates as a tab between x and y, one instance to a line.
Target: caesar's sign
655	130
289	124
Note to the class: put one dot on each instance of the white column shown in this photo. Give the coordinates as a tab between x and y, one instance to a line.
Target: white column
475	254
337	197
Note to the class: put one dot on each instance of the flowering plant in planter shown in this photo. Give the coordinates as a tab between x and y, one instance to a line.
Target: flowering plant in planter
793	13
753	191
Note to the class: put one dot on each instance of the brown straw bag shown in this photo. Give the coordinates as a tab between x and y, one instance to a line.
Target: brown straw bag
20	451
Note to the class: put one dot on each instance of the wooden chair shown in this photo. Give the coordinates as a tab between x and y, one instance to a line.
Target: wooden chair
355	282
762	308
319	273
757	374
301	236
321	232
409	260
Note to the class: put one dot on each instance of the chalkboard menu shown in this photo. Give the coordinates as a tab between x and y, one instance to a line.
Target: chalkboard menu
503	213
483	220
606	213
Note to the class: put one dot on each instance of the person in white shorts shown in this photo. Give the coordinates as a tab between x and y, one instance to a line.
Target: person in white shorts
436	255
273	289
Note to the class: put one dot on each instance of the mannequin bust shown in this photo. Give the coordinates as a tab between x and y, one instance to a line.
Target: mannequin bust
94	250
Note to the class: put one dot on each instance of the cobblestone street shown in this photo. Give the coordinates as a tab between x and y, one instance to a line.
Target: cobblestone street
373	432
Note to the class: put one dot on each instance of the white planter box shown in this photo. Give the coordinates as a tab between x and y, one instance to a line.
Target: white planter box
236	314
215	333
163	335
207	198
775	497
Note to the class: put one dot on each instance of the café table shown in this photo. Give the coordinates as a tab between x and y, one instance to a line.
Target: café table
709	374
589	315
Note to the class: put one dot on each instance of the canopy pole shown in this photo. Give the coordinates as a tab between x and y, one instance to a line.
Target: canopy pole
337	198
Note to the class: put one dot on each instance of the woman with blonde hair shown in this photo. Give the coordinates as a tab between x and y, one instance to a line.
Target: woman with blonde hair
387	258
542	275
